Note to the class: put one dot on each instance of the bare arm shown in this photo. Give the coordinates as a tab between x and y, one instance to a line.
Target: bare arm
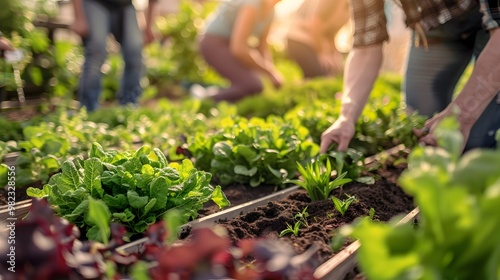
362	69
150	16
80	22
238	44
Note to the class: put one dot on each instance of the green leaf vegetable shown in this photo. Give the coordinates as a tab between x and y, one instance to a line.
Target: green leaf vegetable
253	151
457	235
136	187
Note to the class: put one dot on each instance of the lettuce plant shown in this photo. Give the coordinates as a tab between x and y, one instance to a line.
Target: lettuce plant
254	151
136	187
457	234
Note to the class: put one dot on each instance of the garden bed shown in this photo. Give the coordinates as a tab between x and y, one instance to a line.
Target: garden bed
270	217
385	197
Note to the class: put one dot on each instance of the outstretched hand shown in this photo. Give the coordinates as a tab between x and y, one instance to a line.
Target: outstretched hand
426	134
276	79
340	132
5	44
80	27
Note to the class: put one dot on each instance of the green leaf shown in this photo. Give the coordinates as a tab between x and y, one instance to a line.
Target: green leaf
36	192
222	150
70	177
100	217
135	200
219	197
249	155
92	177
81	208
51	163
118	201
161	158
243	170
149	206
159	189
125	216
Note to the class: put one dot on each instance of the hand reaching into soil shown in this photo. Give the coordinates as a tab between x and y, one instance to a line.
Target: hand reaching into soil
340	132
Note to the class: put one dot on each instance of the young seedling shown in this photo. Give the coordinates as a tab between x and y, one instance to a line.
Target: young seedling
372	213
316	180
291	229
343	205
301	219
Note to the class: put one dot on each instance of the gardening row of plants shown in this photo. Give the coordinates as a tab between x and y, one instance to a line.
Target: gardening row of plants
293	215
454	239
97	216
194	132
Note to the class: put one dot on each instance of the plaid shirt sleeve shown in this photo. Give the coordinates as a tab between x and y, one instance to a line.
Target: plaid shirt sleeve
412	12
369	22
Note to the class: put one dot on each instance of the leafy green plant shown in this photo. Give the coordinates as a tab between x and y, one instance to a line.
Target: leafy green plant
253	151
343	205
350	162
137	187
316	180
301	219
457	234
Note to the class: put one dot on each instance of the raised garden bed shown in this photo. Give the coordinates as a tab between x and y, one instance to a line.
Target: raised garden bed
270	216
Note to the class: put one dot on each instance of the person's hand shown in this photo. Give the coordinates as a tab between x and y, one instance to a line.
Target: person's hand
276	79
149	36
80	27
426	136
340	132
5	44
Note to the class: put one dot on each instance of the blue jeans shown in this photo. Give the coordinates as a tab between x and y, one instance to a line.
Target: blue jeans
431	76
122	23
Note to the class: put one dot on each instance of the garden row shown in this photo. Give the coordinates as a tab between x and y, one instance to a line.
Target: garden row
297	232
284	133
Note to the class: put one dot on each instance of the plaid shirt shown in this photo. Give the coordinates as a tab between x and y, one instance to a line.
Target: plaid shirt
370	21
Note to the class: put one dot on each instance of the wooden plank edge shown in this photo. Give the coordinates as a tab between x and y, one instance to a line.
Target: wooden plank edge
136	246
343	262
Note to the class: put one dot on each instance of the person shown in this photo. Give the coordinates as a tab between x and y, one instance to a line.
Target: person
225	47
366	57
310	40
94	21
5	44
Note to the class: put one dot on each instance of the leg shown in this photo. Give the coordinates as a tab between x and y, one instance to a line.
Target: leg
89	87
244	81
306	58
431	75
126	31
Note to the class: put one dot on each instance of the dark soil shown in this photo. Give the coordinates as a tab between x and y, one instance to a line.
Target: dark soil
385	197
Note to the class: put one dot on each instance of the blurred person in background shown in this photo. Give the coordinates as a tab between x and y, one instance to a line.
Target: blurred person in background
449	34
311	37
5	44
226	46
94	21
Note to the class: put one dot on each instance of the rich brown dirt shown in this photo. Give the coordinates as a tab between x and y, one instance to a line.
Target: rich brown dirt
385	197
